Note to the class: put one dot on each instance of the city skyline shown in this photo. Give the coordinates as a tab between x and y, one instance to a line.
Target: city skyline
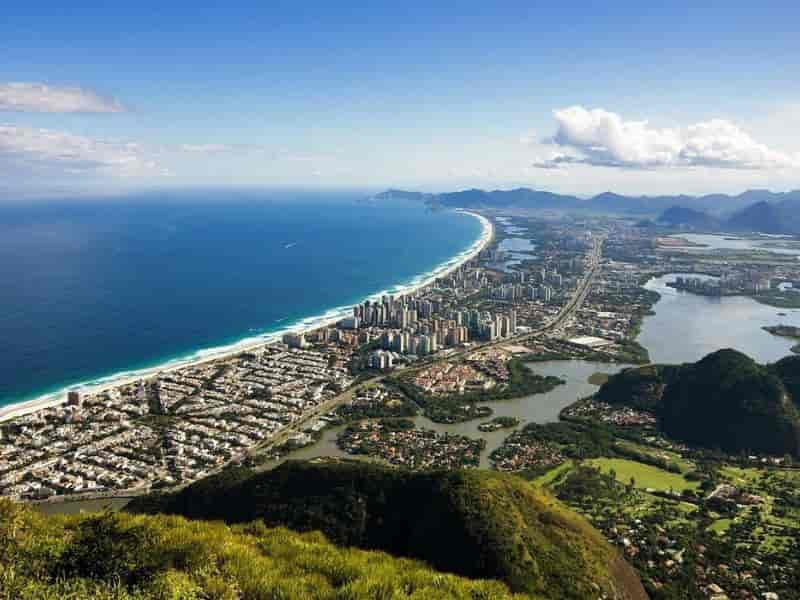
578	99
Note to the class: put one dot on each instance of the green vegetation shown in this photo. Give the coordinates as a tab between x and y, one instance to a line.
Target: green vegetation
574	440
726	401
789	331
682	544
472	523
685	516
779	299
502	422
644	476
121	556
720	526
581	439
452	409
397	406
400	443
658	457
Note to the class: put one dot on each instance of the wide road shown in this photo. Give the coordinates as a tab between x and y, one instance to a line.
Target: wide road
580	293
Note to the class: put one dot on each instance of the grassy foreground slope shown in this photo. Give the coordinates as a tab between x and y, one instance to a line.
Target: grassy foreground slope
476	524
122	556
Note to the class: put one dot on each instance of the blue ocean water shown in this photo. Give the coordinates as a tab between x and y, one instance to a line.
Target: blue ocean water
92	288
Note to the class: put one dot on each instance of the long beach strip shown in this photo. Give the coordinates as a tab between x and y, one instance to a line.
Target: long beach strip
307	325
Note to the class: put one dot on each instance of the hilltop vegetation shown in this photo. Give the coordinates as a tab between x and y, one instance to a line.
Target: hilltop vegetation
726	400
475	524
121	556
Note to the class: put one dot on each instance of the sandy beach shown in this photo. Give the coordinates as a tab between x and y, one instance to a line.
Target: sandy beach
209	355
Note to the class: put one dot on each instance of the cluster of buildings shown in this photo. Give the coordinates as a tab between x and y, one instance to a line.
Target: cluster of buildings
746	281
519	453
614	415
529	285
373	401
449	378
177	426
410	326
403	333
411	447
511	292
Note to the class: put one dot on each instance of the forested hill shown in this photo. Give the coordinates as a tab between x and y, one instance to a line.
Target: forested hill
725	400
474	524
681	216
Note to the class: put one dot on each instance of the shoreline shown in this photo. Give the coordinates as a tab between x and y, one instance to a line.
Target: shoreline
215	353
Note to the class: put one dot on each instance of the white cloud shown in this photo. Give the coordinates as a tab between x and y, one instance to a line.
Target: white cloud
25	150
528	138
602	138
43	98
205	148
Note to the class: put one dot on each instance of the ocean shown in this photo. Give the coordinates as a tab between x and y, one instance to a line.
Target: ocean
95	289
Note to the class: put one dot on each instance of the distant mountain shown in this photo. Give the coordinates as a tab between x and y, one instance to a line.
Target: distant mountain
677	216
466	199
472	523
402	195
725	400
762	217
608	202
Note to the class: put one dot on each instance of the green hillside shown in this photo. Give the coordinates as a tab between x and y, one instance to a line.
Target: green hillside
788	370
475	524
725	400
122	556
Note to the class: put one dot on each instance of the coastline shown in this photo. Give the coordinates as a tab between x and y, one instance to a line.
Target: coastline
208	355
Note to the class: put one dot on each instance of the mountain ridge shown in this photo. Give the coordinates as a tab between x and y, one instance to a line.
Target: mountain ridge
717	204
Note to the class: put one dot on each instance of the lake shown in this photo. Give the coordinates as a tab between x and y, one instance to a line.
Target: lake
537	408
688	326
732	242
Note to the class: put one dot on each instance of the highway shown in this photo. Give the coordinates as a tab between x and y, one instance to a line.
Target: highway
580	293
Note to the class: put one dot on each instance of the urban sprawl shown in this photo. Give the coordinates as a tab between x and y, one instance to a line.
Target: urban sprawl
576	291
540	289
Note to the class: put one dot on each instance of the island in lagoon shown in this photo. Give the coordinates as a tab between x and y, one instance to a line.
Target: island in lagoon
788	331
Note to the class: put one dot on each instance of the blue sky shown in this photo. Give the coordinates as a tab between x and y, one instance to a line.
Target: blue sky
572	96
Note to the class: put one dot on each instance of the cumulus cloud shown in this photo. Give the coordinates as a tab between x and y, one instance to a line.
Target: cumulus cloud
602	138
25	150
43	98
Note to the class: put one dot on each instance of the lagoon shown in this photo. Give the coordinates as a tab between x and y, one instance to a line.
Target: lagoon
688	326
